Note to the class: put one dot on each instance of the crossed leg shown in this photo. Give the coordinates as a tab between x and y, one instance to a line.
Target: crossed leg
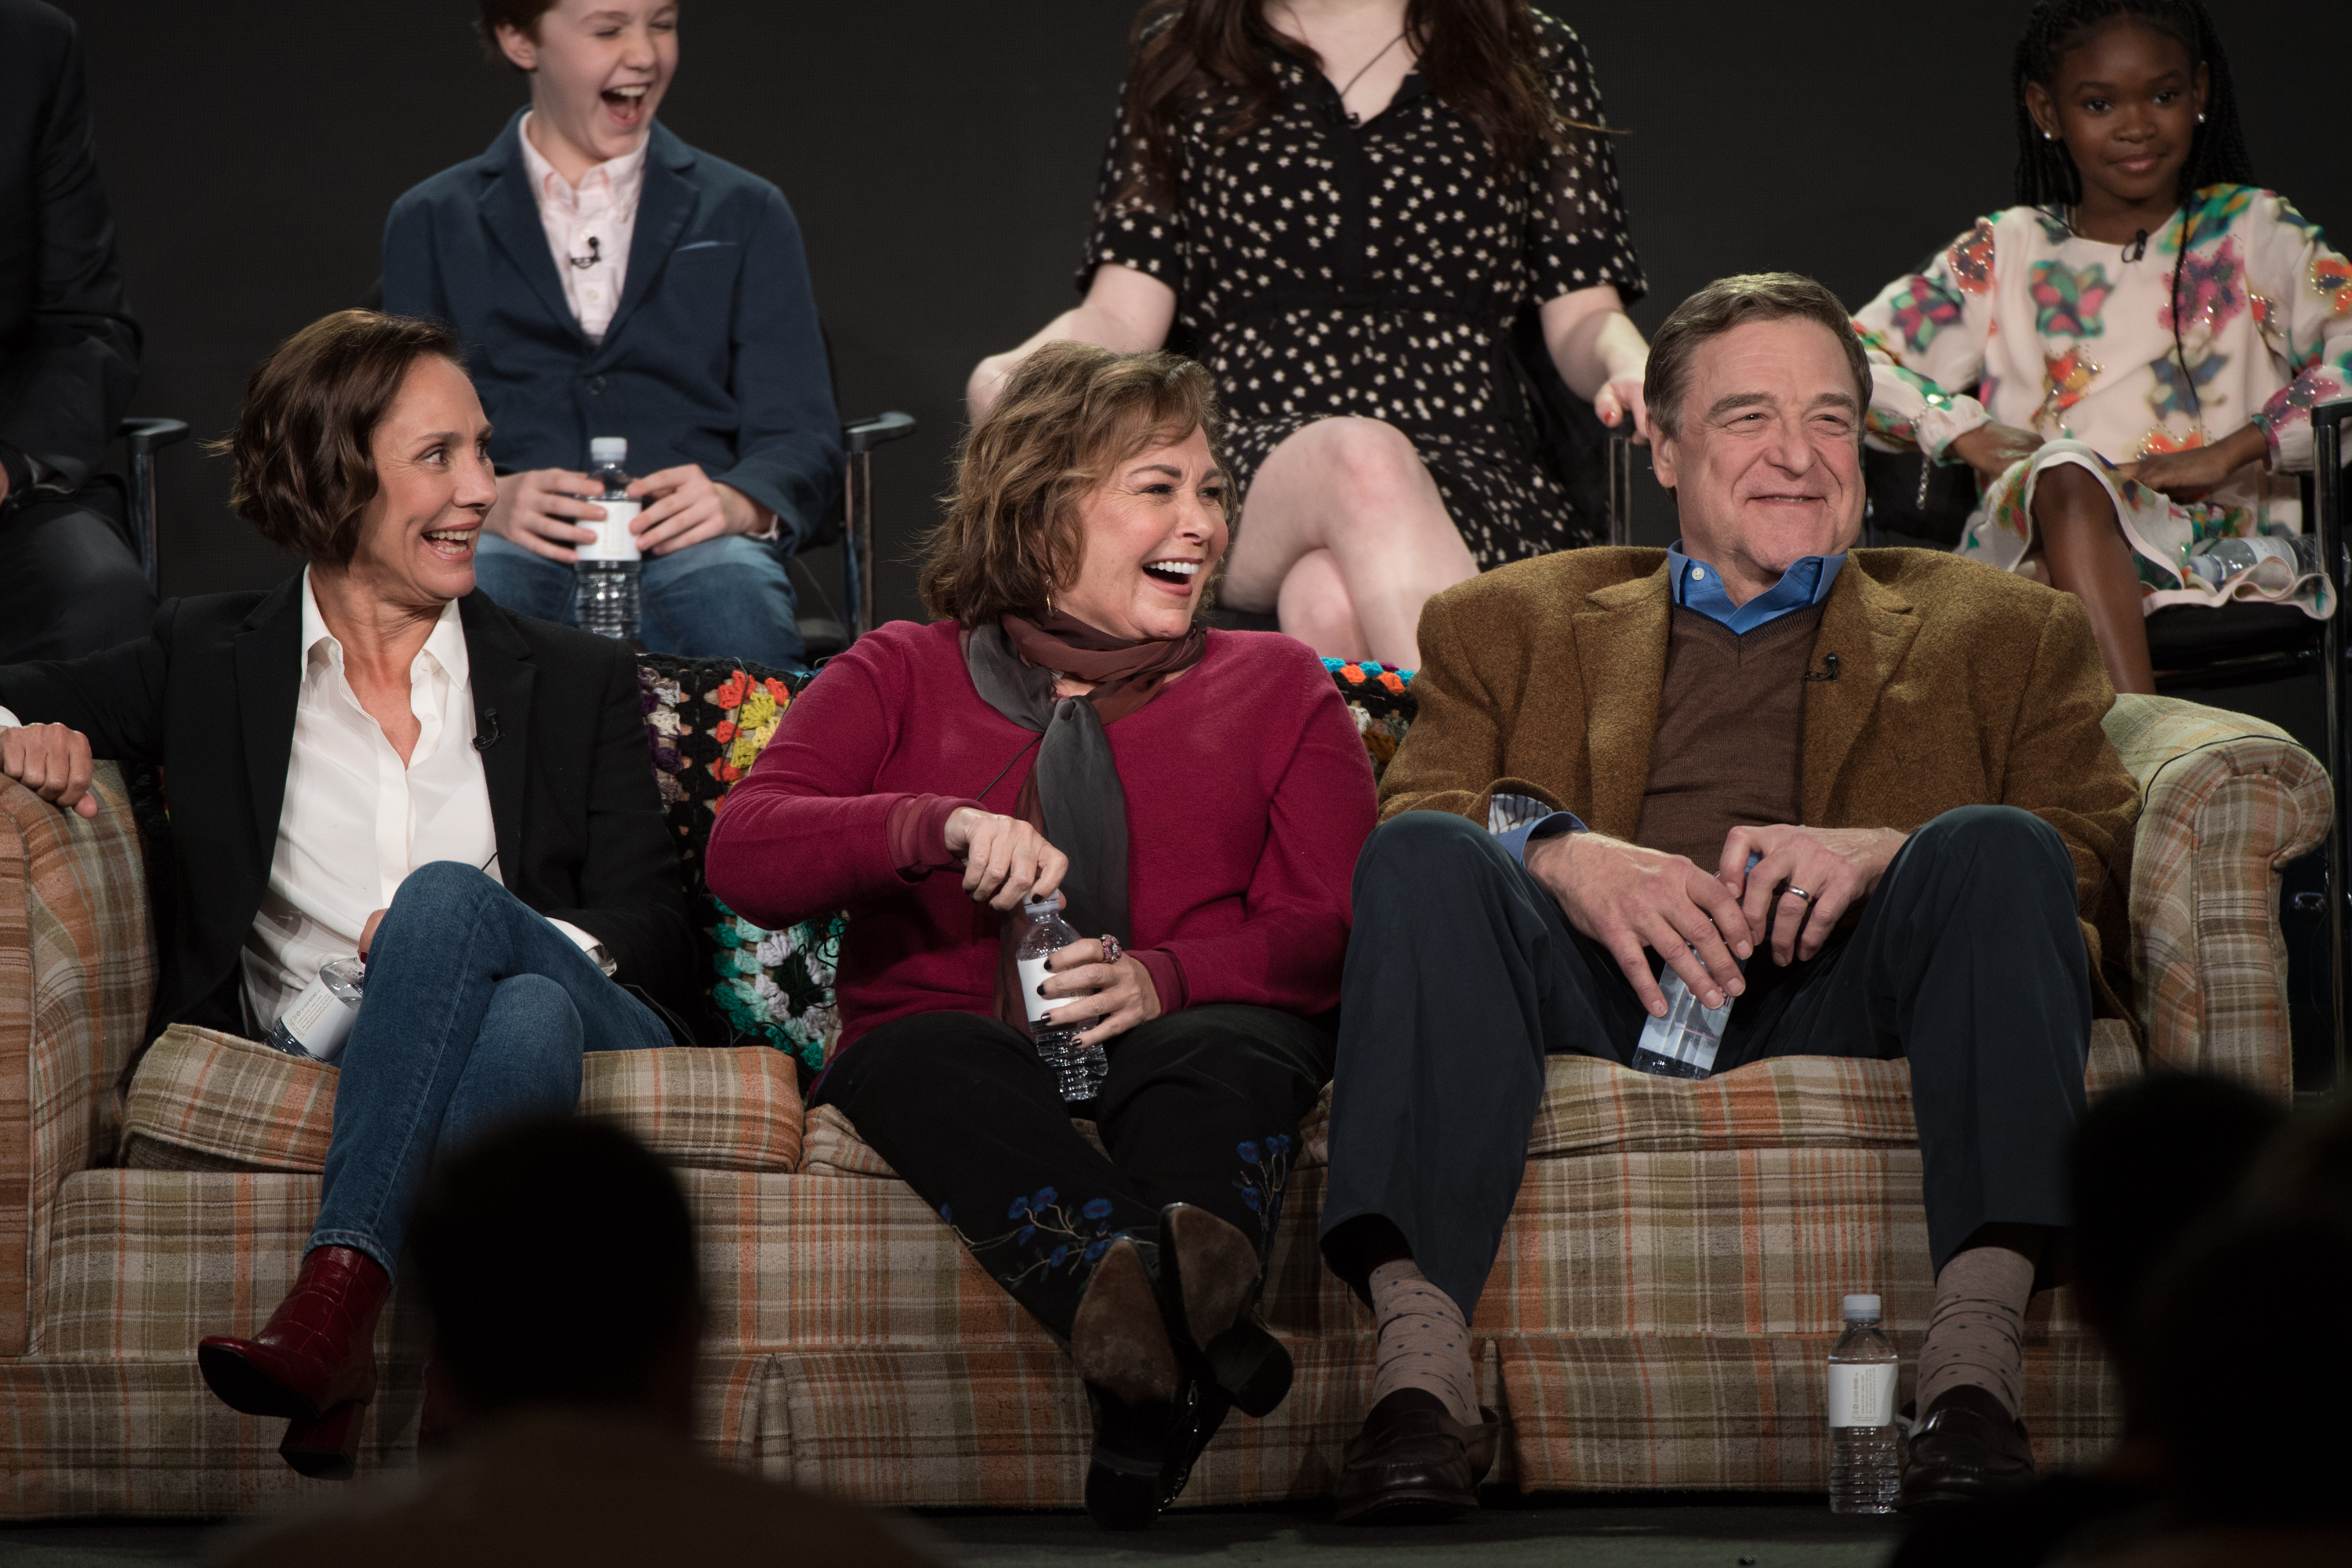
1344	536
2085	552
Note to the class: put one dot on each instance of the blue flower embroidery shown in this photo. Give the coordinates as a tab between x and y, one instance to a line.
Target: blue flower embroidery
1076	1240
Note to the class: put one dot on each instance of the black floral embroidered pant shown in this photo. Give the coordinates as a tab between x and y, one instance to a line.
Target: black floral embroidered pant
1201	1107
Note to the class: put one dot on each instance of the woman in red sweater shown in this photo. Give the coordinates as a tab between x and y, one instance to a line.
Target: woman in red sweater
1197	797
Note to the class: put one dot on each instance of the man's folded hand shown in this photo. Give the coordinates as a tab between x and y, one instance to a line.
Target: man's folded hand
1629	900
51	761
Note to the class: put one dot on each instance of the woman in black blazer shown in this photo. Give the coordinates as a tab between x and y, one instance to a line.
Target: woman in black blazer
373	759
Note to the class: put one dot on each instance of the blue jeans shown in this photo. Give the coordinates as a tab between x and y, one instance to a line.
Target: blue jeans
723	598
476	1012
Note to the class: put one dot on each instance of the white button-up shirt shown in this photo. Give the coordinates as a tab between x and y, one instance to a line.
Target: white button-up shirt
603	208
356	821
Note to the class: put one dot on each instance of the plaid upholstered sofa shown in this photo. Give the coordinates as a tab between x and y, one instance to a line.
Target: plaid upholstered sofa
1657	1318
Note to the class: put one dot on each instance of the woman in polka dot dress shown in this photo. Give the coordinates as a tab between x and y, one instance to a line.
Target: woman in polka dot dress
1340	207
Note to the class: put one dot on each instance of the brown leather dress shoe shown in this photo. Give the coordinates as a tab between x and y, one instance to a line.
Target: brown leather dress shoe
1969	1448
318	1349
1412	1463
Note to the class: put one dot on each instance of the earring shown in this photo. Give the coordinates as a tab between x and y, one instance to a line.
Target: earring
2201	118
2046	136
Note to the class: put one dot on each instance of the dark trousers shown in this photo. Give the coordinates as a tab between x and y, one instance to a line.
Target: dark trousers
1463	974
1201	1107
69	582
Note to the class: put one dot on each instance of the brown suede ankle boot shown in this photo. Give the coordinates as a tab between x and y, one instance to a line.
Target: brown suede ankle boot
1117	1340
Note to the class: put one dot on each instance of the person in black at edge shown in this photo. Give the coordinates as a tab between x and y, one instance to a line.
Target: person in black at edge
69	581
564	1386
2147	1164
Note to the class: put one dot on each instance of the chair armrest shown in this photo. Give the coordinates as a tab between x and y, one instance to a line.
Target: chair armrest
145	437
2226	802
865	434
77	975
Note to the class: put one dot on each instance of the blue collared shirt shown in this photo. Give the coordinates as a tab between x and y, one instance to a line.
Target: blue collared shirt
1697	586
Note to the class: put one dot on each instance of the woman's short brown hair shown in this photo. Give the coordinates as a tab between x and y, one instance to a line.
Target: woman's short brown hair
304	441
1069	415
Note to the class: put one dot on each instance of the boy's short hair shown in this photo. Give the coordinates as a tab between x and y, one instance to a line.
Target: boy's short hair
523	15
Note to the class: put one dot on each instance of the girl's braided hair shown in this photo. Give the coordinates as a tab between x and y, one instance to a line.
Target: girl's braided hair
2046	176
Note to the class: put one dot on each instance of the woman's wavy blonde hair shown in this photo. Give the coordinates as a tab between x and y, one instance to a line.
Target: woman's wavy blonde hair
1070	414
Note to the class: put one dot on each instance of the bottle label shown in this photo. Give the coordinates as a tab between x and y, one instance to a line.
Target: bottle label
1032	974
1862	1393
318	1020
614	541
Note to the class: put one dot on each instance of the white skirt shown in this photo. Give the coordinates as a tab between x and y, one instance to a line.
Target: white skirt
2161	532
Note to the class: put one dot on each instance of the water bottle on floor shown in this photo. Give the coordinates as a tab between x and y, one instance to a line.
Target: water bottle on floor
604	583
1078	1071
1864	1476
319	1018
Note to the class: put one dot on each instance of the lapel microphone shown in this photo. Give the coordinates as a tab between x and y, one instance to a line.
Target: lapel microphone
489	737
2132	252
596	253
1828	658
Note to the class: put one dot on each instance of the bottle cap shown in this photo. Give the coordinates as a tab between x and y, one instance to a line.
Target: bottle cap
1861	1309
609	450
1046	905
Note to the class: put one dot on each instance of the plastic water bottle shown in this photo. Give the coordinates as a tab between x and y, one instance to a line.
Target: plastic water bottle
1682	1044
1864	1476
319	1018
1078	1071
605	584
2274	562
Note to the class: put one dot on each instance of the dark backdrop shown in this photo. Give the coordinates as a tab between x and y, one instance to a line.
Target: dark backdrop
940	154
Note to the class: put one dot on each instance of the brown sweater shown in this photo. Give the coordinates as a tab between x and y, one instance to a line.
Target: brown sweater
1731	720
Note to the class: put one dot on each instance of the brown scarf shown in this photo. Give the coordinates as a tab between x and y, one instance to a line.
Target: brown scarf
1073	794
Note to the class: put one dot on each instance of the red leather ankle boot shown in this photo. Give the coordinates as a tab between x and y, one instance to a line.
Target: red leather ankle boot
318	1349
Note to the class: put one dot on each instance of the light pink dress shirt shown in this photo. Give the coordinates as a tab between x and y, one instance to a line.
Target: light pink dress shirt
588	228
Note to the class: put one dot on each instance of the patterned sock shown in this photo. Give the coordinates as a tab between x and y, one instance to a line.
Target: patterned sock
1424	1343
1977	1332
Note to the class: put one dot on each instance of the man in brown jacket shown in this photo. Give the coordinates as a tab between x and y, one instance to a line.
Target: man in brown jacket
1856	803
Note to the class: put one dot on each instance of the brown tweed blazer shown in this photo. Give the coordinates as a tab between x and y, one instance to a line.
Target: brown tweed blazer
1957	685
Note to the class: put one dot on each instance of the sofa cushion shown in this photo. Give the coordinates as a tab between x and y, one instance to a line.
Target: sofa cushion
1593	1107
204	1100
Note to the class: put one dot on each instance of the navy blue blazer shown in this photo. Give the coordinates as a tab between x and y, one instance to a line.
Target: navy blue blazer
713	356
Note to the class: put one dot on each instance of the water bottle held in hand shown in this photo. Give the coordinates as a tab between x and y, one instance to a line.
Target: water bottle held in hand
605	585
1864	1475
1682	1044
1078	1071
319	1018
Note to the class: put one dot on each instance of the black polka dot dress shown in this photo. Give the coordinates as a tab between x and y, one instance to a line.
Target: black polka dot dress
1322	268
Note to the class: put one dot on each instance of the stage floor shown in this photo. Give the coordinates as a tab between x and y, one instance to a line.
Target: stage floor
1615	1533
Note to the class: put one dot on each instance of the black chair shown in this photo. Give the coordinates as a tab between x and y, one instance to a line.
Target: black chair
2328	512
144	438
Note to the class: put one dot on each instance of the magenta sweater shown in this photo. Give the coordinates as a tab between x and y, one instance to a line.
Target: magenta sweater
1248	794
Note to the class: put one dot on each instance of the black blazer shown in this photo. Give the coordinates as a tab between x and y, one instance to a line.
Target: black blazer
68	348
714	355
210	696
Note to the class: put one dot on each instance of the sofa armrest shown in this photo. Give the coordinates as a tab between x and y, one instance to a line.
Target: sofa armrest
76	974
2226	802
